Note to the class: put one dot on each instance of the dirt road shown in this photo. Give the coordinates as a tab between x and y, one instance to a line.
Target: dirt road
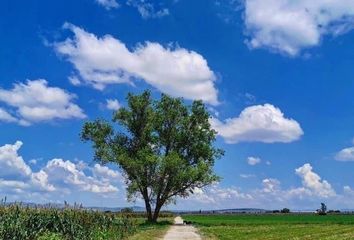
181	231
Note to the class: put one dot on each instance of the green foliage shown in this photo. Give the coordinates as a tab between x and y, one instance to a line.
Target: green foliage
19	223
164	148
127	210
285	210
50	236
322	210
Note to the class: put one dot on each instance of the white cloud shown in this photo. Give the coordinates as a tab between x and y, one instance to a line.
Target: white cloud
58	176
348	190
33	161
147	9
260	123
106	60
18	174
35	101
346	154
105	174
75	178
217	195
249	98
247	175
11	163
108	4
253	161
74	80
41	179
113	104
270	185
288	26
6	117
313	182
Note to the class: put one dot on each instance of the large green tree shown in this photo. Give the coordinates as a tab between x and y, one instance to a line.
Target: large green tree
163	147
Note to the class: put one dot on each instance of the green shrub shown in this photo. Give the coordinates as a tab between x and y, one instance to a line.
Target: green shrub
285	210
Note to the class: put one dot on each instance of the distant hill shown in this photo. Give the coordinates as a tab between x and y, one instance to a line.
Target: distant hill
231	210
117	209
347	210
242	210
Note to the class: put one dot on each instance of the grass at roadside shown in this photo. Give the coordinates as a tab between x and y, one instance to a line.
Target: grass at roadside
271	227
147	231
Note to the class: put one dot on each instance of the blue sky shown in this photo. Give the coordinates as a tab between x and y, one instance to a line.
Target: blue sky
277	77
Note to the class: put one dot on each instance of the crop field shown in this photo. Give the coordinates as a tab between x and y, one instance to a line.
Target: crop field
275	226
23	223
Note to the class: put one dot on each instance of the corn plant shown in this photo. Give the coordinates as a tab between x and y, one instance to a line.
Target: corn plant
21	223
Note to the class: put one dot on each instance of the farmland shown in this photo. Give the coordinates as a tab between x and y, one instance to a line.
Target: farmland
274	226
19	223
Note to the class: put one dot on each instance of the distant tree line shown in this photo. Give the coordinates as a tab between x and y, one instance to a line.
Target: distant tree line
321	211
284	210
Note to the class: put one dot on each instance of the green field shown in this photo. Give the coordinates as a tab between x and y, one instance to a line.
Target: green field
275	226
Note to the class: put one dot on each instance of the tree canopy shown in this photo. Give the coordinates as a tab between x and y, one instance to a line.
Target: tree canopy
163	147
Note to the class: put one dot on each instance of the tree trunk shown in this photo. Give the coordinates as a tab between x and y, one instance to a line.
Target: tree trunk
148	210
157	211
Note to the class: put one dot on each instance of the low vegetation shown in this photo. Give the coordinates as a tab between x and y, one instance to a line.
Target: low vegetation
275	226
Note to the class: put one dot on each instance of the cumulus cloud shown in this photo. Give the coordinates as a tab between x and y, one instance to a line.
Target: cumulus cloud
217	195
75	179
101	61
313	182
346	154
108	175
58	176
289	26
35	101
271	194
108	4
147	9
113	104
18	174
253	161
259	123
12	162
